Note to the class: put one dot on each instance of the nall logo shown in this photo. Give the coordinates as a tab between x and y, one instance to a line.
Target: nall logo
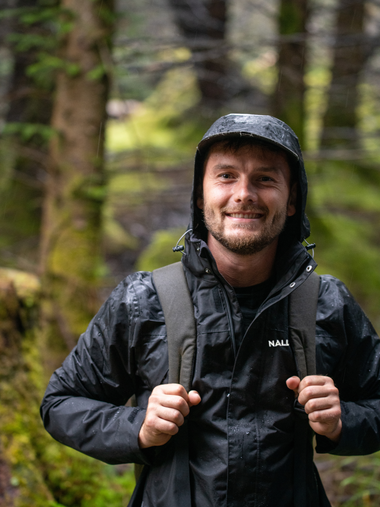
278	343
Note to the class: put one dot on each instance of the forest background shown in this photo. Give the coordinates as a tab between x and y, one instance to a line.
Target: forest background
102	104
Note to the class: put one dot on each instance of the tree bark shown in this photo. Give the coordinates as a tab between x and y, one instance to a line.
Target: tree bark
203	26
29	103
349	58
288	98
71	233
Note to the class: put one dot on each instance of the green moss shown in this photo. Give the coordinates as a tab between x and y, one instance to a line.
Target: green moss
41	472
19	391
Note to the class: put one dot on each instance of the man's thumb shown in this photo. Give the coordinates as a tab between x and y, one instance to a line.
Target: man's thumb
293	384
194	398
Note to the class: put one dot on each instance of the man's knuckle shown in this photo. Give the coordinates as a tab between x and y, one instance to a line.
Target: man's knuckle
312	405
172	428
177	417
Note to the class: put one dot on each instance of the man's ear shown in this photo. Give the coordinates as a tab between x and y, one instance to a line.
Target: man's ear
292	200
200	203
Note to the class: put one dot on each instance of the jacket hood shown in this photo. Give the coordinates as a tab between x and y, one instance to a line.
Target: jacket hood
269	130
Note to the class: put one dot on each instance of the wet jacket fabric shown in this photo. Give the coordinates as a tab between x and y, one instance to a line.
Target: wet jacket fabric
241	436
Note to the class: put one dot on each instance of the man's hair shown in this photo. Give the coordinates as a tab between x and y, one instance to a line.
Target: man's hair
234	144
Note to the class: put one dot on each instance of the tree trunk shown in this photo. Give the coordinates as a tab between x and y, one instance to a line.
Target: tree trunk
350	55
71	234
288	98
24	155
203	26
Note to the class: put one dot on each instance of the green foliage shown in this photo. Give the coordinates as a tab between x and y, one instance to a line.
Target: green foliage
47	64
27	131
90	187
363	482
97	72
76	480
26	42
160	122
345	215
290	18
159	253
317	79
351	481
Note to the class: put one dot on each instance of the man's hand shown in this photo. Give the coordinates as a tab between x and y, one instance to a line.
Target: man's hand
321	400
168	406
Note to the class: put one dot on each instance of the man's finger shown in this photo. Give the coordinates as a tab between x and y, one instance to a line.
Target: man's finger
293	383
314	388
194	398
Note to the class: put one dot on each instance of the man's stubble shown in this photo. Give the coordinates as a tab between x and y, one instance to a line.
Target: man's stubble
250	243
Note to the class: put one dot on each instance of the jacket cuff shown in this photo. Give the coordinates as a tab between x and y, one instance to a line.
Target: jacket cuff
325	445
139	456
358	435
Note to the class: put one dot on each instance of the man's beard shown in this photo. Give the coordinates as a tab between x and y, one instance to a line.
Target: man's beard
250	243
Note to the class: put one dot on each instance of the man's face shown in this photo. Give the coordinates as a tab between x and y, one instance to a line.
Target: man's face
246	197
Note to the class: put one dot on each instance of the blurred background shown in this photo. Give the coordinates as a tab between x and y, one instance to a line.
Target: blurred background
102	104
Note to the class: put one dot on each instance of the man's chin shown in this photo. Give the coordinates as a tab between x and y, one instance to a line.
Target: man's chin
244	244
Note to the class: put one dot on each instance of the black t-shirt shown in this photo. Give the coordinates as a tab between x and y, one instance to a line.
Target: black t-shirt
251	298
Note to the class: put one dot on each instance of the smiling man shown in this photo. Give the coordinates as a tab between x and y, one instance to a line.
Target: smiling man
247	194
243	261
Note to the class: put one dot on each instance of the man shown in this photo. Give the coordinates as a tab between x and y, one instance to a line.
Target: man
243	259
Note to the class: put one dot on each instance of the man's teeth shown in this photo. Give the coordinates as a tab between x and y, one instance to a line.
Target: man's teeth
245	215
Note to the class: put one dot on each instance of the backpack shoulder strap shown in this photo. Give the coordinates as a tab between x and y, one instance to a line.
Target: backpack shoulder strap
178	308
302	316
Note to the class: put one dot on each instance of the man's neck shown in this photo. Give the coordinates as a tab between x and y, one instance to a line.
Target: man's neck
243	270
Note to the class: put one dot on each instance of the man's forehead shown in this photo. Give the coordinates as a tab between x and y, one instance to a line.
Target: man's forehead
237	144
222	153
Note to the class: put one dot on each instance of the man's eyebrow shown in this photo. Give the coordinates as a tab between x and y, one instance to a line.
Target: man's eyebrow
218	167
271	168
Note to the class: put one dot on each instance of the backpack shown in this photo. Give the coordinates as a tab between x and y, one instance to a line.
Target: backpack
177	305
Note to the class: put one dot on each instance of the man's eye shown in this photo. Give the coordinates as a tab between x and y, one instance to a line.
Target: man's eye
266	178
225	176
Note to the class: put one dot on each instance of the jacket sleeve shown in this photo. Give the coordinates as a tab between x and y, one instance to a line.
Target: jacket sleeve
84	404
348	350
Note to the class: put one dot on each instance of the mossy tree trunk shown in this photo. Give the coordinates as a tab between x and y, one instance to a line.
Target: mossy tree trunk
71	258
350	53
288	98
21	480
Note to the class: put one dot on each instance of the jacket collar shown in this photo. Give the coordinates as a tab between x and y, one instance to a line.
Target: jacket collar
293	263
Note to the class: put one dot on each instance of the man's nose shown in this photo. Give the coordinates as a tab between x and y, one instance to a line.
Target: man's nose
245	191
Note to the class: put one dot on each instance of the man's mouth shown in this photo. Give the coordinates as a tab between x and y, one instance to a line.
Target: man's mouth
245	215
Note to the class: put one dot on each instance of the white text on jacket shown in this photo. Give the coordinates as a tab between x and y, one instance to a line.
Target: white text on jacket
278	343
